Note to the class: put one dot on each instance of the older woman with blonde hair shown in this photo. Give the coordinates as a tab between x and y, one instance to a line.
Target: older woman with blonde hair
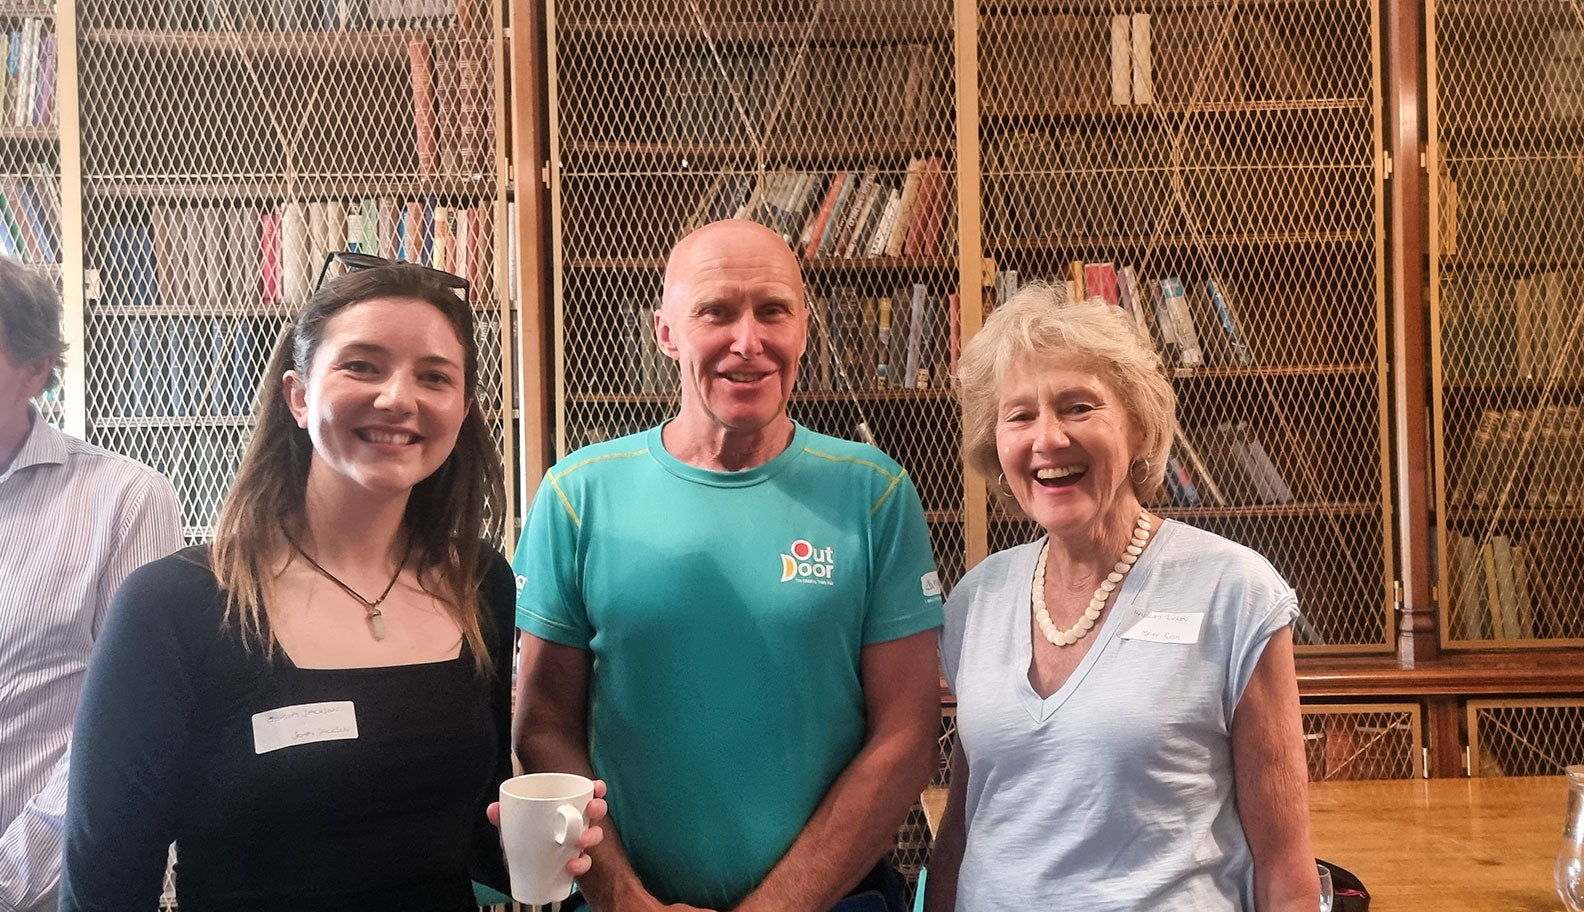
1127	707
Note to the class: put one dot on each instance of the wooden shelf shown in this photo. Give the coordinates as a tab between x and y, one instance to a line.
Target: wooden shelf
1271	511
483	311
994	245
105	422
1273	372
29	134
933	395
992	7
1559	670
284	44
1248	511
790	31
1508	260
1506	132
824	264
184	310
1514	514
1035	110
276	186
26	11
782	152
1470	385
874	395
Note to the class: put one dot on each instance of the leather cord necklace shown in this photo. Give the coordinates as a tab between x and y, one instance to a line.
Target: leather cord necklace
376	620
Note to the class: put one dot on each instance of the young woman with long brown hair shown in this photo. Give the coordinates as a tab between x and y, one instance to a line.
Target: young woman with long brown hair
315	708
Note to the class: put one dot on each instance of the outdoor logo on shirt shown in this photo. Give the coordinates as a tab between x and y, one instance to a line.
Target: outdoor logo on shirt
808	564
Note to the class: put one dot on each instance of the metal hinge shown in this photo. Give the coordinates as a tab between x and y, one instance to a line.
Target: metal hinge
1397	601
1386	164
1424	767
1466	768
544	175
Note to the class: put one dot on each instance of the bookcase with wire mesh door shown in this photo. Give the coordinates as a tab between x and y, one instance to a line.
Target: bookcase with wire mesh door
1213	169
1212	166
1506	253
832	122
30	152
1218	169
227	146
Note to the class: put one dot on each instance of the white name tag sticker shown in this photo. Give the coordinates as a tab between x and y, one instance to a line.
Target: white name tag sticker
305	723
1167	627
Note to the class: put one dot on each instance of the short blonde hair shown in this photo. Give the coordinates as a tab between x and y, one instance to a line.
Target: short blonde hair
1041	321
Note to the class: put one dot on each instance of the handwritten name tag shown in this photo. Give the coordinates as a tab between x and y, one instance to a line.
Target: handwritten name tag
305	723
1167	627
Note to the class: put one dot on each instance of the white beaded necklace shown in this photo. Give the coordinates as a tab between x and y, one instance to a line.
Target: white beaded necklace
1130	556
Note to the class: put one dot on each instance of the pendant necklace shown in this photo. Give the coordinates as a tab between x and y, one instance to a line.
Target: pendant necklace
376	620
1130	555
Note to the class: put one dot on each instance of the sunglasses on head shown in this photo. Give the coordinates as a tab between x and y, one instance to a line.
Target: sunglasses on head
354	261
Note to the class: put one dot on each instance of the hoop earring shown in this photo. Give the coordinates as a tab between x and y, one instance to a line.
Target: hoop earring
1134	473
1002	486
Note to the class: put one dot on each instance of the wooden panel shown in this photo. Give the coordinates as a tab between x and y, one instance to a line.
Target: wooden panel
1363	741
1525	737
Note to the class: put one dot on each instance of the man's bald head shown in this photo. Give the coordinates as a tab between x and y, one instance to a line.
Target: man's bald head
727	241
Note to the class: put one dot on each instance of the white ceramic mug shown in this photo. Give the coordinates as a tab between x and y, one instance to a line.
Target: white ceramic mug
541	820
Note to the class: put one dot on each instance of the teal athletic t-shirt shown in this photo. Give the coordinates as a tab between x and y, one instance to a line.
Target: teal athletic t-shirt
725	613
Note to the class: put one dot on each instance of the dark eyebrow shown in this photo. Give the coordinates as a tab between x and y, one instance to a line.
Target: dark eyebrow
369	348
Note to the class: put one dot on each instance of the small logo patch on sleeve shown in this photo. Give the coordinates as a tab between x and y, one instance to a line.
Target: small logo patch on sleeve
930	583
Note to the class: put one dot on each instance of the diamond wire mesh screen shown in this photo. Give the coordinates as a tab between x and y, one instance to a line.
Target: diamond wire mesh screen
30	200
1211	167
832	121
1508	129
1363	741
1525	737
227	145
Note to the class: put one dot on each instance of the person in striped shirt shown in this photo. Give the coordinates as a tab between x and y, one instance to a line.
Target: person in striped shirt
74	521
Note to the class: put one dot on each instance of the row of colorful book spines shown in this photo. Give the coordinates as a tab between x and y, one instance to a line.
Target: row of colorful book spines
164	370
1242	471
451	239
1161	309
1521	458
426	237
28	222
849	214
309	15
29	54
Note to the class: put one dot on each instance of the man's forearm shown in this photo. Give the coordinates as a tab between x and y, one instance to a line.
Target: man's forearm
851	829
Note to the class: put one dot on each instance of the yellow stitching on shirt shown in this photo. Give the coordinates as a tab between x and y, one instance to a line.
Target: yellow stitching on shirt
895	479
554	478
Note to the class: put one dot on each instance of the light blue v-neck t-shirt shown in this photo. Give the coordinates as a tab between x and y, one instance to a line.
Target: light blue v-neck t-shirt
1116	792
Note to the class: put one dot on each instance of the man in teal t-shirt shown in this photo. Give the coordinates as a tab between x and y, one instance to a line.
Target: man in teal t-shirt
730	619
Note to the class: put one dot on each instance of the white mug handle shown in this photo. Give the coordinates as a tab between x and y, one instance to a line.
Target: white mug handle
570	826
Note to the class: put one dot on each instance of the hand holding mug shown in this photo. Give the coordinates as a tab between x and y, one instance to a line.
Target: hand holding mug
548	821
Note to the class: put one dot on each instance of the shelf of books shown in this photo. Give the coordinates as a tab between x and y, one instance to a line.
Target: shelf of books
30	221
831	122
1507	149
1211	168
226	148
